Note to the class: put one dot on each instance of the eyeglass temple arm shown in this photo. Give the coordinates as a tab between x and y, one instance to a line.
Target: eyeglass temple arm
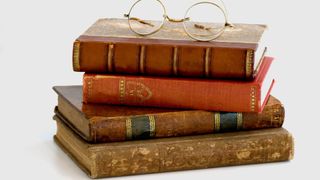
199	26
228	23
139	20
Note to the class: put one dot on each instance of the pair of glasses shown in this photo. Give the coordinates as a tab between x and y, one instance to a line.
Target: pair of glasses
203	21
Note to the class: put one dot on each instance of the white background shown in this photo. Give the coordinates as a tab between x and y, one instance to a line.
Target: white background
36	39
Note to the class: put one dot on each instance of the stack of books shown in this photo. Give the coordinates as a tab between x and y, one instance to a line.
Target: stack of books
165	102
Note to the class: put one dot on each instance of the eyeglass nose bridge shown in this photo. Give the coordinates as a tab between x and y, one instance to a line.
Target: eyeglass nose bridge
175	20
229	24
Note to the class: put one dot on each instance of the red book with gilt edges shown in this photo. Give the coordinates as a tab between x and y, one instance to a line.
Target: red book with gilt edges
185	93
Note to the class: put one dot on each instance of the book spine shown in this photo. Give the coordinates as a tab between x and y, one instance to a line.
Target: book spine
216	95
162	60
194	154
176	124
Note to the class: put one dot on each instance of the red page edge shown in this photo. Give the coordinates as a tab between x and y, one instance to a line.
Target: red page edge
267	96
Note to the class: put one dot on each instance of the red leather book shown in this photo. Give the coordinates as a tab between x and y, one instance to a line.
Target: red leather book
109	46
205	94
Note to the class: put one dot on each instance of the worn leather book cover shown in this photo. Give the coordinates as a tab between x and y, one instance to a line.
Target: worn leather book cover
109	46
174	154
204	94
106	123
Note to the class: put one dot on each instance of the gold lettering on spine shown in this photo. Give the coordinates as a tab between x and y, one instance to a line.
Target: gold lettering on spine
128	129
253	99
217	122
239	121
249	63
152	123
89	86
110	57
122	90
175	61
76	56
142	59
207	62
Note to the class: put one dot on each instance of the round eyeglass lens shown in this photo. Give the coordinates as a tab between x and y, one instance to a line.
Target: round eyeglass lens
205	21
146	16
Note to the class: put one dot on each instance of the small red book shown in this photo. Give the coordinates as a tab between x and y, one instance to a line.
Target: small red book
185	93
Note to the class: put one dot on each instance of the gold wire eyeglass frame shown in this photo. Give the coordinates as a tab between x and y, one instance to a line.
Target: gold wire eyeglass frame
220	6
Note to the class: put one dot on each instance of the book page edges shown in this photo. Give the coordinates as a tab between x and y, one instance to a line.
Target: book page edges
266	97
70	111
261	50
265	81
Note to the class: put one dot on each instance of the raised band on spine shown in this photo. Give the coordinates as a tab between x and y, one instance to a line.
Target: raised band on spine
128	129
142	59
152	123
239	121
175	61
207	62
76	56
216	121
110	57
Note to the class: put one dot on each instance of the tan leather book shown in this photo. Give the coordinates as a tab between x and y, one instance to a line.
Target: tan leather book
174	154
109	46
106	123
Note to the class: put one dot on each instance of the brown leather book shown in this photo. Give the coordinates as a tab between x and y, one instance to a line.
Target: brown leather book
109	46
174	154
105	123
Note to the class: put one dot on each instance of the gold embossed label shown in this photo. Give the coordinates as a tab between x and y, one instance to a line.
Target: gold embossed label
133	91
